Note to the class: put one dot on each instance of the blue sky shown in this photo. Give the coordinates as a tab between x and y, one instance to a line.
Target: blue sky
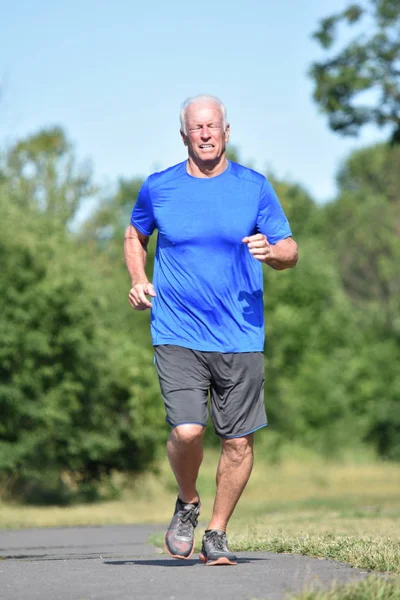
114	75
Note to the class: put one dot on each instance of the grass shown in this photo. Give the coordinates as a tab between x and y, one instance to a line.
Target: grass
372	588
347	512
374	553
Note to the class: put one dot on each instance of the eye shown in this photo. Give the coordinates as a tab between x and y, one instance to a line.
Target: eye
212	126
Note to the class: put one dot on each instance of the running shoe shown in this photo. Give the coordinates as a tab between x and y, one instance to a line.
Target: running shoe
214	550
179	538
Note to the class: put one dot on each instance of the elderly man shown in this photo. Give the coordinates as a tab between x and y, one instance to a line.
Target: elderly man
217	223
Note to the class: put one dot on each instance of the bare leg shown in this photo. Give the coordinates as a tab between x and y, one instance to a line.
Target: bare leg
234	469
185	453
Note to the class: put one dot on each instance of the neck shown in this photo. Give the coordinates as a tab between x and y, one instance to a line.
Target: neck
198	168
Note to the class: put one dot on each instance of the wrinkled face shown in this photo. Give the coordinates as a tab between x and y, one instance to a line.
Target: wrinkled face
205	136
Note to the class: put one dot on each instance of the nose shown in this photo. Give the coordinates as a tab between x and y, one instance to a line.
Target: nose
205	133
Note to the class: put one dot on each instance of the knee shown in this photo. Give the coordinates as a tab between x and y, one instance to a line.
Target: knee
238	449
187	434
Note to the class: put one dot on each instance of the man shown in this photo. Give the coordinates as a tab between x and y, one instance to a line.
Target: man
217	223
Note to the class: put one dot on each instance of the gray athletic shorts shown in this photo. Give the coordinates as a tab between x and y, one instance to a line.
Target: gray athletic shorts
235	382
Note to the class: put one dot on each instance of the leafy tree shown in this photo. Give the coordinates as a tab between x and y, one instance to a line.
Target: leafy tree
43	171
362	229
359	84
373	170
78	393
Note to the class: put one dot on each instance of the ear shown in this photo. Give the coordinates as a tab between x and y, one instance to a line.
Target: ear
184	138
227	133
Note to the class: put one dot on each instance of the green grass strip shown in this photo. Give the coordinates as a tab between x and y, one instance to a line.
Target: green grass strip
372	553
371	588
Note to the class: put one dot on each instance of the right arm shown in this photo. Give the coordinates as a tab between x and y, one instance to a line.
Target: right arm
135	250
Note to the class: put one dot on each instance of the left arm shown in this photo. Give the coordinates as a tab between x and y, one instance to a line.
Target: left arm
282	255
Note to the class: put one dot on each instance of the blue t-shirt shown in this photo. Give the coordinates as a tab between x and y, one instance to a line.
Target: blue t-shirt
209	288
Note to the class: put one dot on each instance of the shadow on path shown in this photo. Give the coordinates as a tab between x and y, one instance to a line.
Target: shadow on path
161	562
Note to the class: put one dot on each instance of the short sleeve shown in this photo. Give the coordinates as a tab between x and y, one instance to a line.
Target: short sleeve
271	220
142	214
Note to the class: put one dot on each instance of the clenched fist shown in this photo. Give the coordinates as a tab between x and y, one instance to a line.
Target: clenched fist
258	246
138	293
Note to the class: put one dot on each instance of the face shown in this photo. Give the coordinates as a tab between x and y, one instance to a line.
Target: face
205	136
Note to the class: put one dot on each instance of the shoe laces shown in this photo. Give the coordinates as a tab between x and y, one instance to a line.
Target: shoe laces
218	539
188	516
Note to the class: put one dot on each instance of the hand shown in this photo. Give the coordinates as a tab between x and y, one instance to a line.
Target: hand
258	246
138	293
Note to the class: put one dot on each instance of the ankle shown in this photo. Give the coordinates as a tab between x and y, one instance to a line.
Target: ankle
189	498
216	527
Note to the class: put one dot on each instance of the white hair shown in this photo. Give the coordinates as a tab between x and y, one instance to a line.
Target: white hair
201	98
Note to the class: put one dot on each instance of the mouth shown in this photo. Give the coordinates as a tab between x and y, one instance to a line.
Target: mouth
206	146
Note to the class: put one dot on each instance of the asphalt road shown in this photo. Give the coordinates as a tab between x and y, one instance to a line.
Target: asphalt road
118	563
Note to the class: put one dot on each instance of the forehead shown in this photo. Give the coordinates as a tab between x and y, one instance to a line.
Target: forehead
202	112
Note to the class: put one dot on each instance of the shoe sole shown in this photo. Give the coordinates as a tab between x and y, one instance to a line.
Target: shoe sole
177	555
222	560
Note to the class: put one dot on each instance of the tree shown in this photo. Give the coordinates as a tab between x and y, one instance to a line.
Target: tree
78	392
360	83
43	172
362	231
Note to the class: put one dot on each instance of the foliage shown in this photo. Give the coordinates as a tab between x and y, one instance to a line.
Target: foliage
78	397
360	83
362	231
333	343
43	174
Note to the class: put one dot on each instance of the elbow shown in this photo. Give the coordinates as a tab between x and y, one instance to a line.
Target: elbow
295	259
285	256
133	235
130	232
295	256
291	261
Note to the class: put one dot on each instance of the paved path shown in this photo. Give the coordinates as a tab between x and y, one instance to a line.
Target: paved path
117	563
